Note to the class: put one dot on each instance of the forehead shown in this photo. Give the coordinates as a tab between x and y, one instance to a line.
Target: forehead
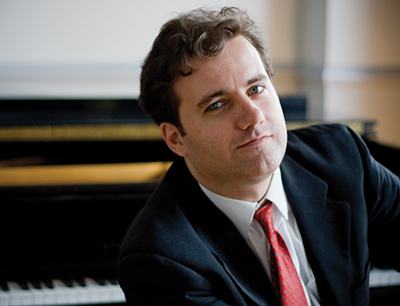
234	66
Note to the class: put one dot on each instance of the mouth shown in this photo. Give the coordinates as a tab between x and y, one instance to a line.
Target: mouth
253	142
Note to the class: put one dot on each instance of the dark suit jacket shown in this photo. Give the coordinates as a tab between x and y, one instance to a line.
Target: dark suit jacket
181	250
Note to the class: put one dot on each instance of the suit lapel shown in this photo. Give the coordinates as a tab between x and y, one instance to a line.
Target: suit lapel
325	229
233	253
227	245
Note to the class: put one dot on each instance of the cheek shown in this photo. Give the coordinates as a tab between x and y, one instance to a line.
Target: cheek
205	146
205	132
273	110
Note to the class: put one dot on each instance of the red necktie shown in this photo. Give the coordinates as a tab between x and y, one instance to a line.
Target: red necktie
284	277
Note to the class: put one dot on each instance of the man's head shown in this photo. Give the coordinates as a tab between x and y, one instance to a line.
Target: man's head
225	119
198	34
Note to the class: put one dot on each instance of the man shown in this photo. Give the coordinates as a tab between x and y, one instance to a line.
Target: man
200	239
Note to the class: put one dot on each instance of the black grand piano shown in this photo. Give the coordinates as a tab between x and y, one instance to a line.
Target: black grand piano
73	174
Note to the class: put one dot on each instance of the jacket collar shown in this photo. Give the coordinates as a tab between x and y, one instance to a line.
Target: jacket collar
325	228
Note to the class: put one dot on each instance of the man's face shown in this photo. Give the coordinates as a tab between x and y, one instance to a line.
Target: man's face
235	129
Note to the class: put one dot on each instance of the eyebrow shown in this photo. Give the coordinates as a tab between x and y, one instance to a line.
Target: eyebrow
258	78
220	93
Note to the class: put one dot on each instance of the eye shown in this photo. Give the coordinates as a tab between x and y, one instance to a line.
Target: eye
256	89
214	106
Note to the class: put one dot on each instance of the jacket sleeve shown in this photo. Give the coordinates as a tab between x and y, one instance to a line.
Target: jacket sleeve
149	279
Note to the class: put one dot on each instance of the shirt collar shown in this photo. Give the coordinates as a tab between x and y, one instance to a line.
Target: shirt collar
241	213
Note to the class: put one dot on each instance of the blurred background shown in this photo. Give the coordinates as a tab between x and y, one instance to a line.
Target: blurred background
343	56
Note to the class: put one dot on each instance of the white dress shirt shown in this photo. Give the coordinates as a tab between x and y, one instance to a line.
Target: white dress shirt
241	214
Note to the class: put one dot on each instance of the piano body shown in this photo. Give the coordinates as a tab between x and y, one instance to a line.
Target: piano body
73	175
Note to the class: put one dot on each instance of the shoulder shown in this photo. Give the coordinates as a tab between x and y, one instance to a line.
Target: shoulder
331	151
161	223
321	133
329	140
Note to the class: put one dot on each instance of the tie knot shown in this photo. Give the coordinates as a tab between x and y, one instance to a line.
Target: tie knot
265	217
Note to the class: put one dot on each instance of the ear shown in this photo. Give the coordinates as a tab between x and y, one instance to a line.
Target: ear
173	138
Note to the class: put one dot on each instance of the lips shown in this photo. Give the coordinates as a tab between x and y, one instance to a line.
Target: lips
254	141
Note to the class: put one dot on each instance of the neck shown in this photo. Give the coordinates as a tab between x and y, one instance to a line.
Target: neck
245	191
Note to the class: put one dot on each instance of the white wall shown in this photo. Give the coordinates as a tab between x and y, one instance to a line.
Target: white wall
363	34
86	47
362	68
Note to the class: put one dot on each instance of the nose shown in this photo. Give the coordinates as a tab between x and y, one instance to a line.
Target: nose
249	114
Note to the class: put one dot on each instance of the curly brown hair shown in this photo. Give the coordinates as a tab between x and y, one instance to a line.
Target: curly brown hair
200	33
